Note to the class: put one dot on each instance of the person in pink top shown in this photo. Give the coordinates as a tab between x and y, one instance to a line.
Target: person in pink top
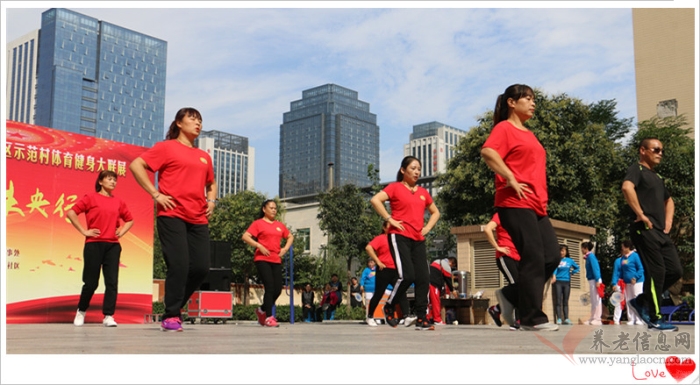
268	233
185	199
386	274
519	161
408	203
103	213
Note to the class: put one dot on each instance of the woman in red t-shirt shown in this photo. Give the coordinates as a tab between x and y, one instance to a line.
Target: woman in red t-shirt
268	233
103	212
386	274
520	163
185	200
408	203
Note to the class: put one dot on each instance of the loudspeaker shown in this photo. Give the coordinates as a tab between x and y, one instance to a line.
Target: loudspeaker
217	280
220	254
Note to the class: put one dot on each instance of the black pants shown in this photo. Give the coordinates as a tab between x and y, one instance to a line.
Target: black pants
100	256
384	278
306	311
509	268
271	276
662	267
561	289
537	244
412	267
186	253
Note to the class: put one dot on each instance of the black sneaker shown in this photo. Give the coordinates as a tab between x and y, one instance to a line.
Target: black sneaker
389	316
515	326
496	315
423	324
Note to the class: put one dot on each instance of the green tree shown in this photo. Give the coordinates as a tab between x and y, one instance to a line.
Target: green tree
346	216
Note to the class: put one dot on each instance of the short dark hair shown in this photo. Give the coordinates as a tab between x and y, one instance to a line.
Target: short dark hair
644	143
628	244
588	245
104	174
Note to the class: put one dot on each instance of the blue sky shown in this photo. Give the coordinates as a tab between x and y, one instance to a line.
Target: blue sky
242	67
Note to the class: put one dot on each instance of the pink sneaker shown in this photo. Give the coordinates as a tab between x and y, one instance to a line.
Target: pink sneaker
172	324
261	316
271	322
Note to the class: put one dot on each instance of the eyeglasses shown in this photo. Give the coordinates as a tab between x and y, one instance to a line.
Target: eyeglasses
656	150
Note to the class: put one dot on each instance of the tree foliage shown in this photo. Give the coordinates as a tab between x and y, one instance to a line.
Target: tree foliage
586	164
347	217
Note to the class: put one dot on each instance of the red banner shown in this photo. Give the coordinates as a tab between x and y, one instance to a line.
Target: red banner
47	172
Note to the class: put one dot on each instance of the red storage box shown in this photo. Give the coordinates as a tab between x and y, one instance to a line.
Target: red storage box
216	305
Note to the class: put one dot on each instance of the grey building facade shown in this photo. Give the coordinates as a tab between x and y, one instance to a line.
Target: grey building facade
329	131
100	79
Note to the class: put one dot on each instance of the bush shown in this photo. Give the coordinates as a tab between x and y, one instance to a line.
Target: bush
355	313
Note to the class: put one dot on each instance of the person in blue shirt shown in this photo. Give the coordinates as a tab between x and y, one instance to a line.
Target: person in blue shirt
367	282
561	281
594	281
628	267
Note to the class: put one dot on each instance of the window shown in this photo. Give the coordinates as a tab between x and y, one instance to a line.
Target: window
303	237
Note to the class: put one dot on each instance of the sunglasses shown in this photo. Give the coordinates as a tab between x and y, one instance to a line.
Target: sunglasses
656	150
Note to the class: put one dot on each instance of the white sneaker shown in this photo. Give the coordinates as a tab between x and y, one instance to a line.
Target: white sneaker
371	322
545	327
79	318
596	323
639	322
410	320
109	321
616	323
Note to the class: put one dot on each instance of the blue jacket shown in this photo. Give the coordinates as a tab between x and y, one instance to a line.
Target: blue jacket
367	279
566	268
592	267
627	268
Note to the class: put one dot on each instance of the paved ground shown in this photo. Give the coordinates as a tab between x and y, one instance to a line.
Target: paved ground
334	352
337	338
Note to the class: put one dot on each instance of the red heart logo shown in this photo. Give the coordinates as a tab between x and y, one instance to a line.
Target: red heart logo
679	368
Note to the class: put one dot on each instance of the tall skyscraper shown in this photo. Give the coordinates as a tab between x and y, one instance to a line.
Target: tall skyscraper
434	144
328	131
21	77
233	158
100	79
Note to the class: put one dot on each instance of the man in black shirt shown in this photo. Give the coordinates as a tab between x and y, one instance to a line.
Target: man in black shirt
651	220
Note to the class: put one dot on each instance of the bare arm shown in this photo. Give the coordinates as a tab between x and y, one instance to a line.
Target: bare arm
630	195
287	245
73	217
139	168
434	216
377	202
670	210
211	198
372	254
496	164
248	238
488	231
125	228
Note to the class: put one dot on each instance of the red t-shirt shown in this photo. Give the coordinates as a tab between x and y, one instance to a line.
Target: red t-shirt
269	235
503	239
408	207
380	244
527	160
103	213
183	173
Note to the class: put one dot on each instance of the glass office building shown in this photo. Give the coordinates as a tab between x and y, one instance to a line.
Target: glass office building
329	124
20	93
99	79
233	158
